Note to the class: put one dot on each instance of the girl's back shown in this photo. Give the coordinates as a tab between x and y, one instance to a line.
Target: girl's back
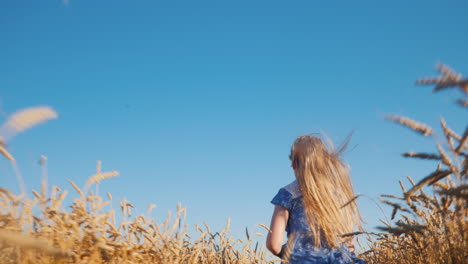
311	209
302	241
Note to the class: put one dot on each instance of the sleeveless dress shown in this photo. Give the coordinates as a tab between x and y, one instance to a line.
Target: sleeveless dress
304	251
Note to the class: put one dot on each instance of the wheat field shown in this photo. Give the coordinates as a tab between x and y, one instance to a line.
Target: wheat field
429	218
431	215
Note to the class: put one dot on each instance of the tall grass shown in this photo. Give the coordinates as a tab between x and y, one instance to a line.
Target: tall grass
40	230
431	216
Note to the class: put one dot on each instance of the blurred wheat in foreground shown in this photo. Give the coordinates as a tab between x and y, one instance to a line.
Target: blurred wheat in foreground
39	230
431	226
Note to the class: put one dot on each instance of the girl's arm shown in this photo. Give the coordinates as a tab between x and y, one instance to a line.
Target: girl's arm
278	224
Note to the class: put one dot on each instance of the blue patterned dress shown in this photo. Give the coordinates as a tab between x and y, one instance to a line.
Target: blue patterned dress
304	251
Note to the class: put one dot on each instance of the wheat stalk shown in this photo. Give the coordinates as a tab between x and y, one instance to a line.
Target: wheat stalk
5	153
448	79
421	155
412	124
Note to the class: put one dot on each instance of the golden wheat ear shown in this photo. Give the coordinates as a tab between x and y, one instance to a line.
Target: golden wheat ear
412	124
24	119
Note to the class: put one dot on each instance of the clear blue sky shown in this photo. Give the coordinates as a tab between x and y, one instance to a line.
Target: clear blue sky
199	101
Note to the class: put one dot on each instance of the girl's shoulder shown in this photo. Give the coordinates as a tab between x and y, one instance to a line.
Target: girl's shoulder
293	189
287	196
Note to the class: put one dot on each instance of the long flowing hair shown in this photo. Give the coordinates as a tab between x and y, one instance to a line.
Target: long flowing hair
324	182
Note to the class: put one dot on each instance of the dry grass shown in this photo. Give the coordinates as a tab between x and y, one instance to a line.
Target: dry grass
430	228
40	230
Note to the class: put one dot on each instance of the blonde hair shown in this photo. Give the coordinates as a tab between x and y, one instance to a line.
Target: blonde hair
324	182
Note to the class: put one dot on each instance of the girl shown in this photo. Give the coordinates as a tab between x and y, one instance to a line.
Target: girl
311	209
